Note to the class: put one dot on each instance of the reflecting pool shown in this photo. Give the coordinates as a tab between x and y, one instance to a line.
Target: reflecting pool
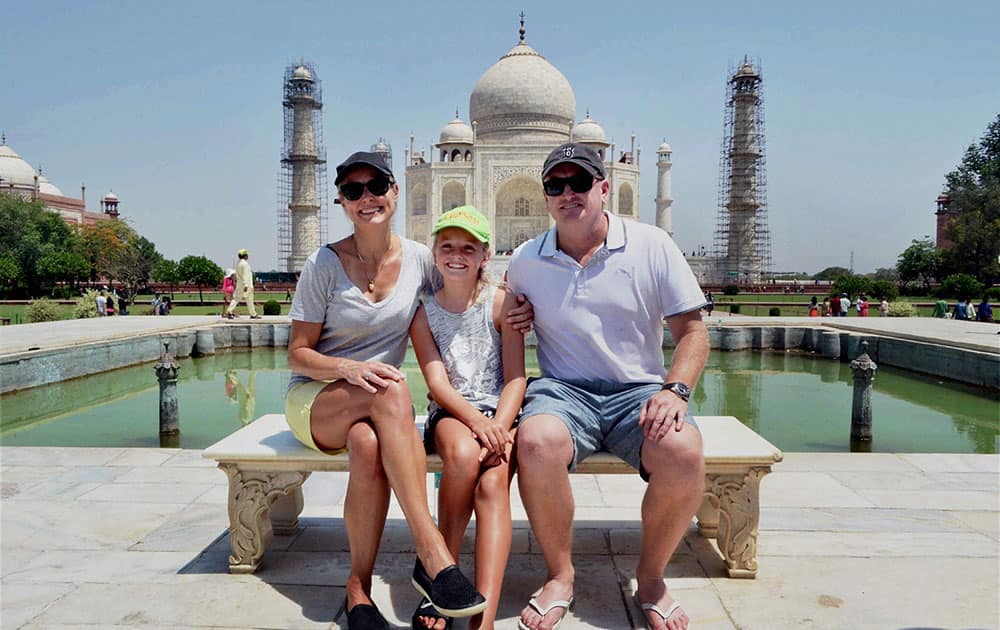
797	401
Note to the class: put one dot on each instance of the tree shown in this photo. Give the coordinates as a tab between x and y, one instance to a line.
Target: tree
8	271
960	286
63	266
832	273
920	261
28	231
200	271
884	289
118	253
166	271
851	285
973	191
889	274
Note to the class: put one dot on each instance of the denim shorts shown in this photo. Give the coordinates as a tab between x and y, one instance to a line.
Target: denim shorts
600	416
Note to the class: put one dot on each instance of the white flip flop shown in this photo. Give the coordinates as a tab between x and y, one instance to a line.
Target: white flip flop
559	603
647	606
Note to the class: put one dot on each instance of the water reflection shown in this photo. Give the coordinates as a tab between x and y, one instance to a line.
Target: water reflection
798	402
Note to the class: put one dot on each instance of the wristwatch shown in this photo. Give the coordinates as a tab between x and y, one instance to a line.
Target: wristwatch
683	391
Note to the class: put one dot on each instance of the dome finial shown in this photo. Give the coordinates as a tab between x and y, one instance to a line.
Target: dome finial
588	112
522	31
3	137
456	112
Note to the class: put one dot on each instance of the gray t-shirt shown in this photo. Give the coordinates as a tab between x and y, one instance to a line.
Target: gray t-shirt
353	327
469	345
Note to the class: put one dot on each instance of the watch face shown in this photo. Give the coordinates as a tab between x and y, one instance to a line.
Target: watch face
680	389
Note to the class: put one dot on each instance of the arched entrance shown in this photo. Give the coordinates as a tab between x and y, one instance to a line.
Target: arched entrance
520	212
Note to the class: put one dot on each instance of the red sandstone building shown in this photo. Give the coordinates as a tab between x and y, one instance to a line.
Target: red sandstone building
20	178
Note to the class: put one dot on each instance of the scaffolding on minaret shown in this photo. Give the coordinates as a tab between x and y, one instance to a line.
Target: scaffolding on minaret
742	242
302	187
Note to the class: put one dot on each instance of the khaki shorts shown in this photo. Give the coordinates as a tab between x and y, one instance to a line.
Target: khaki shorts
298	413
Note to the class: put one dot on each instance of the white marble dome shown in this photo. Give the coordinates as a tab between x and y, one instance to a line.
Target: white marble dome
111	196
48	188
589	132
456	132
302	72
664	148
523	91
14	170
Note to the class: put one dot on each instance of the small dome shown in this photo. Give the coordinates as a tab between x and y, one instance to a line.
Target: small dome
664	148
111	196
14	170
456	132
746	70
588	131
303	73
47	187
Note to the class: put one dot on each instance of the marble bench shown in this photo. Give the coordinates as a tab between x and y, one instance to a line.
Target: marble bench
266	467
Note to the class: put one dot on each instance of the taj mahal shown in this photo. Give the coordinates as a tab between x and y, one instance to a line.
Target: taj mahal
520	109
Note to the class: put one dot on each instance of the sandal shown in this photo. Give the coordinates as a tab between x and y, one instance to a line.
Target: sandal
366	617
426	609
559	603
664	614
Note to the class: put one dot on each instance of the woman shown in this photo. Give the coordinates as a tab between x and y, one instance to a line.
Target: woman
228	288
350	314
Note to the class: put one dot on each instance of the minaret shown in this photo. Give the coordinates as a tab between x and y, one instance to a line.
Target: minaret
664	221
742	239
303	193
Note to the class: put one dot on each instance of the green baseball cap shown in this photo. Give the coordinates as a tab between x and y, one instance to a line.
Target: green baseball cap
467	218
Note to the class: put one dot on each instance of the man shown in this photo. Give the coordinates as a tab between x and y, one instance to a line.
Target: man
600	287
102	304
244	287
845	305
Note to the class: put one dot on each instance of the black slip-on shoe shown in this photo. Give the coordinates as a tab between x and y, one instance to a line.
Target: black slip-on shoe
450	592
426	609
366	617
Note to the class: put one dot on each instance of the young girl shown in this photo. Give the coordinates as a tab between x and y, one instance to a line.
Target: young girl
473	363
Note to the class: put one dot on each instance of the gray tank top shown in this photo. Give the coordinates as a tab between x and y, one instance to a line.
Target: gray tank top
469	345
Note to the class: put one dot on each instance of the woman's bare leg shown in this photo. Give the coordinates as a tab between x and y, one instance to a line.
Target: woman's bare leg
390	410
365	509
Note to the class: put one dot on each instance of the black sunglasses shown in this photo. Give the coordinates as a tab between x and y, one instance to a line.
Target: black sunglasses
352	191
579	183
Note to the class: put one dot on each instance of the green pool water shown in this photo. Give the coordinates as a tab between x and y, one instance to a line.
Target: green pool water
797	401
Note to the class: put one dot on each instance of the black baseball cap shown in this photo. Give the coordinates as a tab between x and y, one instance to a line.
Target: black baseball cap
362	158
575	153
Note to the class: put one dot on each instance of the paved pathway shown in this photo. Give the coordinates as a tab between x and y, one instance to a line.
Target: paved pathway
106	538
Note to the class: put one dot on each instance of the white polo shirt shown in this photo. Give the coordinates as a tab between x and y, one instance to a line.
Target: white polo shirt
604	321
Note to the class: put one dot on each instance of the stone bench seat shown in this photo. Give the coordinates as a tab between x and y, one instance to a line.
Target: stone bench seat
266	467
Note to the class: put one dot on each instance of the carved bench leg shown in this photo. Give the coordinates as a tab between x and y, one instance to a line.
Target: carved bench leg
708	515
738	497
285	512
251	494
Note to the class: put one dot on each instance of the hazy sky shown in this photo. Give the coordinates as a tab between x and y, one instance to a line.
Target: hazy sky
176	106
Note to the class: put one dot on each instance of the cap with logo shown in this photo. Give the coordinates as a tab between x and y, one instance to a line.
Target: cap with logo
467	218
575	153
362	158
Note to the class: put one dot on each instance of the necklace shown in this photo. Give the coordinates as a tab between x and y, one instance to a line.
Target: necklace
378	269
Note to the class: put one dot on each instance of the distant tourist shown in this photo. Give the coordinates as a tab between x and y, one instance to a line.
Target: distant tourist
102	304
244	287
825	308
985	312
288	295
863	305
845	305
110	307
813	307
228	285
883	308
710	306
970	309
835	307
961	311
941	309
